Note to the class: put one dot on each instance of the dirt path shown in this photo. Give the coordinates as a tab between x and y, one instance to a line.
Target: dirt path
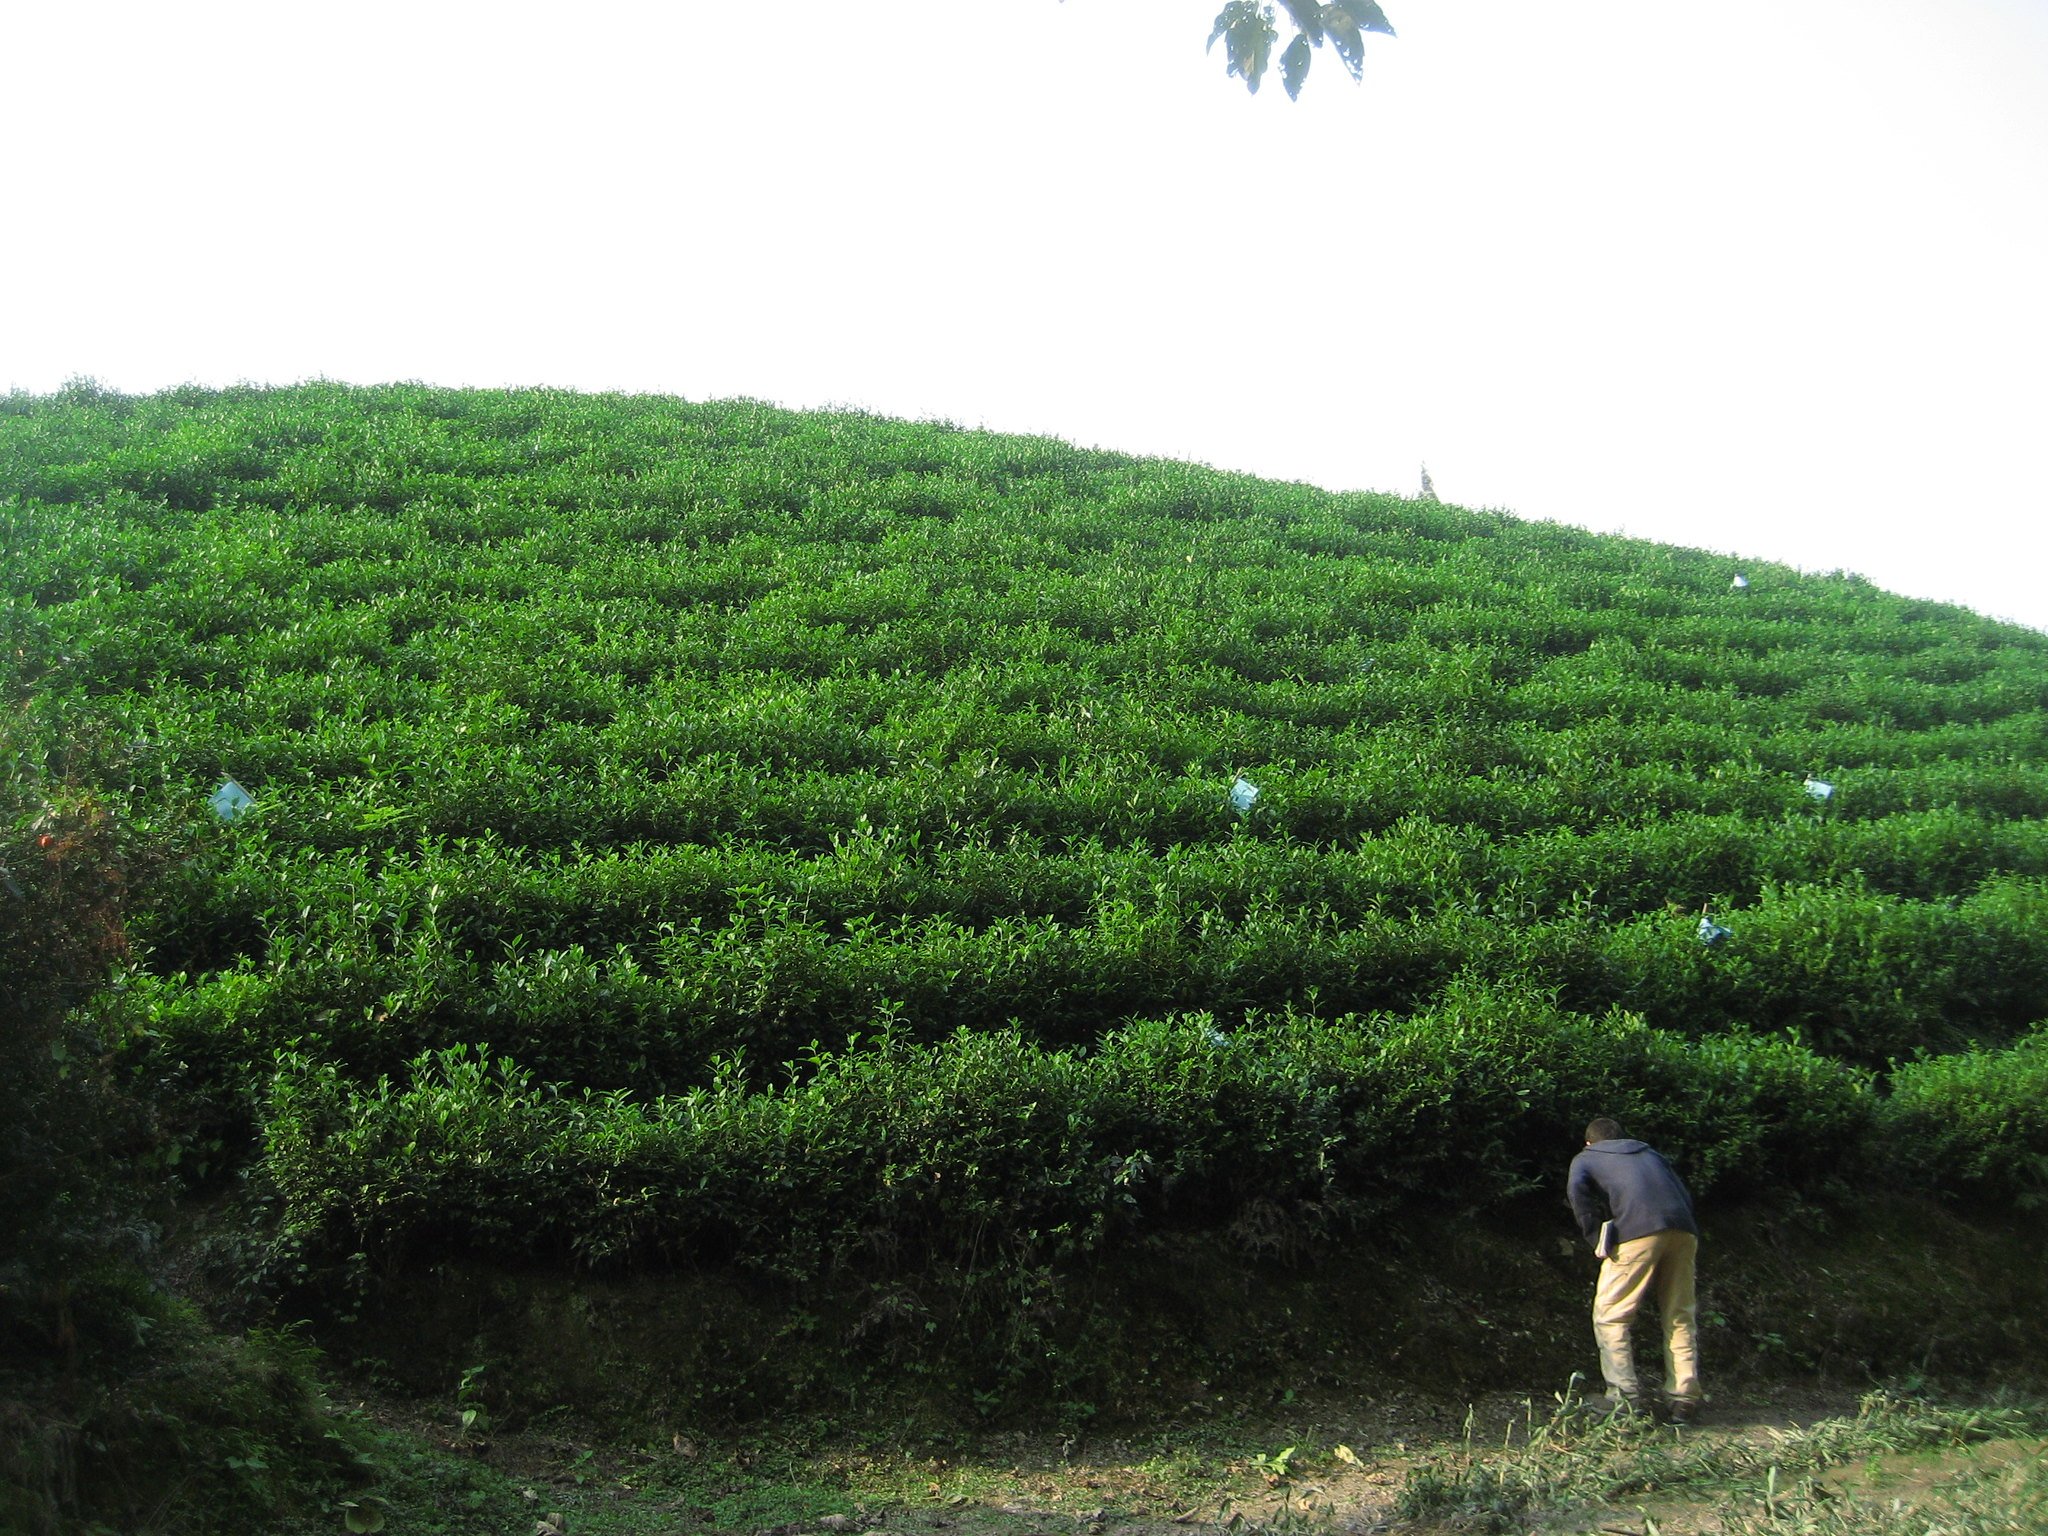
1339	1470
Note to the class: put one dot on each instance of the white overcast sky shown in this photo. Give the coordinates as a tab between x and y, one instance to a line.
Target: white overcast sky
1765	279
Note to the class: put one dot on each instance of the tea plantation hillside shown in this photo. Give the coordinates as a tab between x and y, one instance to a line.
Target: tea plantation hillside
823	848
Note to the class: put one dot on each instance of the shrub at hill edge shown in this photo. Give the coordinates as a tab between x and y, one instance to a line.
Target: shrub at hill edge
119	1408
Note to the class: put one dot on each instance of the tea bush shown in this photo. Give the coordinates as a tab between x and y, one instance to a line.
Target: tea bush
987	1152
1974	1122
676	749
75	1161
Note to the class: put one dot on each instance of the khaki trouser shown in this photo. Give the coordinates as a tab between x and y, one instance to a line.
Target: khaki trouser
1663	1260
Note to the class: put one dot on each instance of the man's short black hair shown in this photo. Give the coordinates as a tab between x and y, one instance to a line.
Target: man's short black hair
1603	1129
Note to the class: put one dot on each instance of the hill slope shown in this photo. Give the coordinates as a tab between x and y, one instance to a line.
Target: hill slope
840	847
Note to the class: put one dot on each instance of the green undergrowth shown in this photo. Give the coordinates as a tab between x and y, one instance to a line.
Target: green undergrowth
1439	1302
206	1434
159	1424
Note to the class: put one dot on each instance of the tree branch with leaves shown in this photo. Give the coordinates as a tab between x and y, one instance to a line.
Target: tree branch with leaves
1249	31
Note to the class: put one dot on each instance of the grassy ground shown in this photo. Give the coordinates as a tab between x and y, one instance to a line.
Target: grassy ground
1271	1404
1245	1399
1768	1464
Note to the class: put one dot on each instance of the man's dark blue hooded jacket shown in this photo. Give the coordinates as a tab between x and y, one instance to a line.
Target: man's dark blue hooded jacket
1637	1187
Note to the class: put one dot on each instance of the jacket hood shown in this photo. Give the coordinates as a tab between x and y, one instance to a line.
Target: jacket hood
1620	1144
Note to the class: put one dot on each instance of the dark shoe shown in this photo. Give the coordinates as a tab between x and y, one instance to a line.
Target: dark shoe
1683	1411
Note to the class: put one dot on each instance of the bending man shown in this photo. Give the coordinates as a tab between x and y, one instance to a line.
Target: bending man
1652	1245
